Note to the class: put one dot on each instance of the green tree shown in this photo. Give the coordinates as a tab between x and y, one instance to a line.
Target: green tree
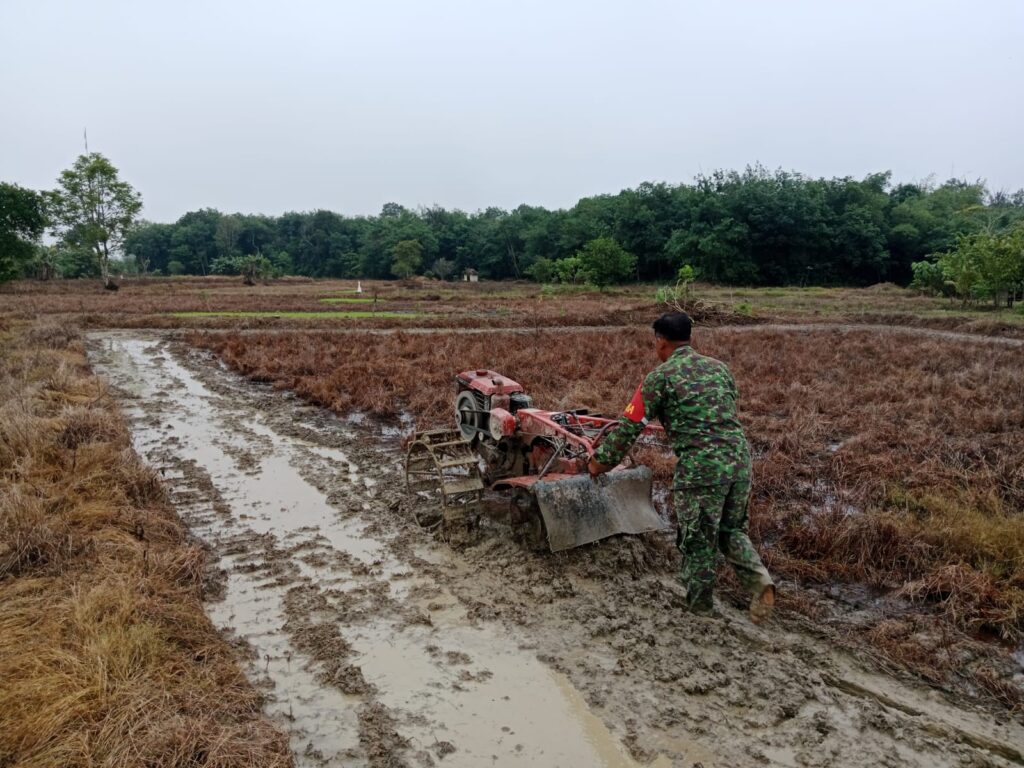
252	267
45	265
194	241
960	271
76	261
570	270
150	245
643	222
925	219
928	277
406	258
228	232
542	270
996	260
383	234
255	266
94	210
604	262
282	263
22	221
320	244
255	234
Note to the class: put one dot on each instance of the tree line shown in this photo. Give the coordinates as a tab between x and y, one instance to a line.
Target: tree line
756	227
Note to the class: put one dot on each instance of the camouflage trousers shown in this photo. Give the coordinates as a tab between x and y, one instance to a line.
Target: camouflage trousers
713	518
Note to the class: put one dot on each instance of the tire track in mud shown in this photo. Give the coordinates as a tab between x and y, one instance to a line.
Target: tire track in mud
379	646
365	657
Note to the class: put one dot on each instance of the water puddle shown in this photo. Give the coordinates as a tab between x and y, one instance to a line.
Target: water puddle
445	679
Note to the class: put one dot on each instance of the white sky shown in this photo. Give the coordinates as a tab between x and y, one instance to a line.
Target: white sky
302	104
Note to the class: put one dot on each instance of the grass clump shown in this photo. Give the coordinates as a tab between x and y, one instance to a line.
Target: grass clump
106	655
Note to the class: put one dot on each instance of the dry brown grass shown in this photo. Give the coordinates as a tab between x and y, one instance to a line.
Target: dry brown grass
887	460
153	302
106	655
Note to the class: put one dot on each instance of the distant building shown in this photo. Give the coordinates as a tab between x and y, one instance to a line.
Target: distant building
471	276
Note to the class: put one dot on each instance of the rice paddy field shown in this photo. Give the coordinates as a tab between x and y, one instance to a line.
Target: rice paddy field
162	447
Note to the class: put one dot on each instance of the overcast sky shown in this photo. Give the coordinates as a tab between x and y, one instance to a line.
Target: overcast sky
297	105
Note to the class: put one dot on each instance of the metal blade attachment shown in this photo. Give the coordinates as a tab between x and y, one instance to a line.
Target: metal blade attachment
578	510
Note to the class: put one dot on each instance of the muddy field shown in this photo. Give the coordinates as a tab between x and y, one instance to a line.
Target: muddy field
887	459
378	645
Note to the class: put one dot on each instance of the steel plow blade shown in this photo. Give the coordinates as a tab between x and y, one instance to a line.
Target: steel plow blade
578	510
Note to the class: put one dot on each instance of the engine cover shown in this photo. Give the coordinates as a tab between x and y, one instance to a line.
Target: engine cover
501	424
488	382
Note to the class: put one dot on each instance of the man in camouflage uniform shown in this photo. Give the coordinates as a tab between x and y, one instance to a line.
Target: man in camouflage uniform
694	397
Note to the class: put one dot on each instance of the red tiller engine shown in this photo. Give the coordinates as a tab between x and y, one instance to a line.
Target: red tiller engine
541	456
517	439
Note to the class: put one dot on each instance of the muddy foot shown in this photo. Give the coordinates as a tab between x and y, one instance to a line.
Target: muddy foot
762	605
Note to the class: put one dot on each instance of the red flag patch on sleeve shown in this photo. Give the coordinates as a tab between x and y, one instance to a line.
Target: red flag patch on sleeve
635	410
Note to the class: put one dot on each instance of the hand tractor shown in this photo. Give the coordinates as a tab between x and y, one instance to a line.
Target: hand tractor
501	442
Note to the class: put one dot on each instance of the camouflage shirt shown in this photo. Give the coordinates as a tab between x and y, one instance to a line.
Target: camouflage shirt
694	397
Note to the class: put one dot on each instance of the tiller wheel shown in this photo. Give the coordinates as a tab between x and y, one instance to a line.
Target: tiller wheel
441	466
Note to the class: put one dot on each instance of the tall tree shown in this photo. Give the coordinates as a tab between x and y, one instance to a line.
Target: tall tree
408	254
93	209
194	242
22	221
228	230
150	245
604	262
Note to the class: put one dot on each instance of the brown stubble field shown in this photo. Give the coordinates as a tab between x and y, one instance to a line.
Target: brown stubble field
888	469
885	462
225	302
107	656
298	303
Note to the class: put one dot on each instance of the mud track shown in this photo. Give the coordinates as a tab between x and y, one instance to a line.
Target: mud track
378	645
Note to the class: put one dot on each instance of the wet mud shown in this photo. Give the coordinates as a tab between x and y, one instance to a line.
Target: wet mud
377	644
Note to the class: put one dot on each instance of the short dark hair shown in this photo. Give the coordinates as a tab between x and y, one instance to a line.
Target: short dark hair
673	326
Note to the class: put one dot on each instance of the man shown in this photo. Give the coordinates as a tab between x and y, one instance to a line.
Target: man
694	398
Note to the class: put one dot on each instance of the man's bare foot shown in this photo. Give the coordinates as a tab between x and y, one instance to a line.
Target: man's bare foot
762	605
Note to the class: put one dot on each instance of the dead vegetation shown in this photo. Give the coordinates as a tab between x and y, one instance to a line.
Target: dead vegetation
106	655
158	302
884	460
